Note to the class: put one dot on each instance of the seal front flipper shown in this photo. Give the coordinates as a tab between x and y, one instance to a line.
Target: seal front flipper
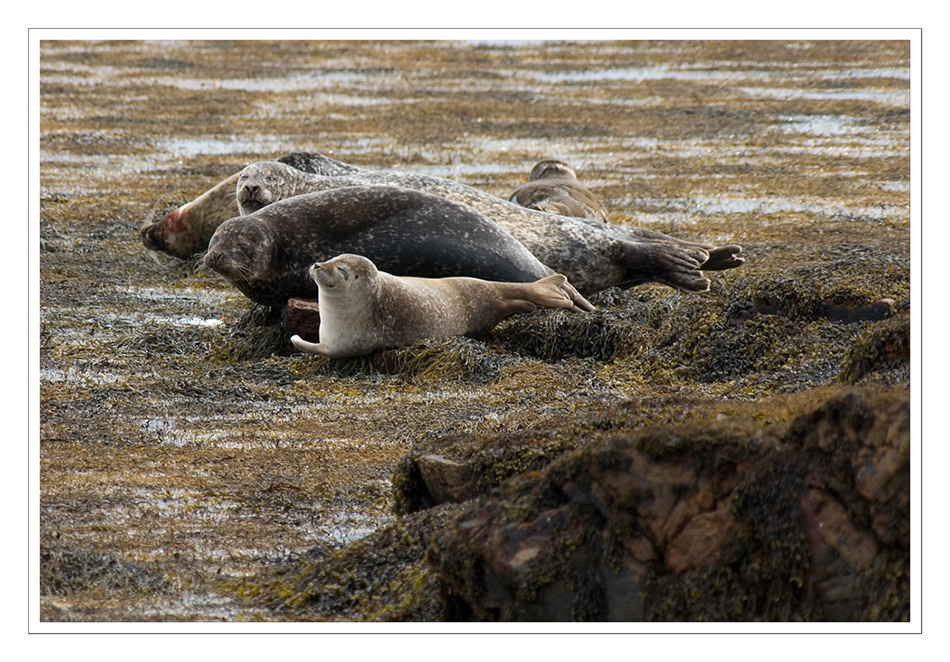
669	262
308	347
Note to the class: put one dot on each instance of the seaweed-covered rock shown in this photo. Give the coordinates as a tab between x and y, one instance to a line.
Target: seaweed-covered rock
700	522
457	468
882	352
65	569
382	577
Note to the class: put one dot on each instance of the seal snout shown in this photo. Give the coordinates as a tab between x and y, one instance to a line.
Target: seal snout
153	234
149	239
248	197
216	258
325	274
212	258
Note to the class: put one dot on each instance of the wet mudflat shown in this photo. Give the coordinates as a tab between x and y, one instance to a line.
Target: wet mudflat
174	456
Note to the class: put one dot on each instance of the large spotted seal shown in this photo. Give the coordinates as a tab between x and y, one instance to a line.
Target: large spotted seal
363	310
592	256
185	232
266	254
552	186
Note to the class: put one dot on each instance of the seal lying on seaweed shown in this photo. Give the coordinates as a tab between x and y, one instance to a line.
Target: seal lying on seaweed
552	186
363	310
266	254
592	256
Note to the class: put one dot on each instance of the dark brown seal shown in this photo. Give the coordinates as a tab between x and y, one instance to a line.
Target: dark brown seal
552	186
185	232
593	256
363	310
266	254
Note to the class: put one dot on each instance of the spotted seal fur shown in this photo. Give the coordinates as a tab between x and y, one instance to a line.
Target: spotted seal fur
592	256
185	232
266	254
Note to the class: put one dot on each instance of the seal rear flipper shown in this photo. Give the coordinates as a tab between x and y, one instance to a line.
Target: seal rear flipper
724	257
720	257
549	293
579	303
308	347
668	262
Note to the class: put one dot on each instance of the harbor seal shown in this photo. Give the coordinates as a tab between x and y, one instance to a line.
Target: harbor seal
266	254
363	310
552	186
185	232
592	256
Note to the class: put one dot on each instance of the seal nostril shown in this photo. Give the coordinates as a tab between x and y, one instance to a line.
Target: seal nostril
148	236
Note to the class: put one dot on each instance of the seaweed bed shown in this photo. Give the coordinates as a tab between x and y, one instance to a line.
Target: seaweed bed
193	468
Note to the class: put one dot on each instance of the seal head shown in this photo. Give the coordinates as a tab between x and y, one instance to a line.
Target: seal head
185	232
264	183
552	186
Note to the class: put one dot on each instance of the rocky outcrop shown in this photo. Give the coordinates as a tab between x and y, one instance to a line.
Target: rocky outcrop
704	521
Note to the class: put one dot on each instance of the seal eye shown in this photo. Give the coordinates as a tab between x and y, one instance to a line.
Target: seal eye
270	180
344	273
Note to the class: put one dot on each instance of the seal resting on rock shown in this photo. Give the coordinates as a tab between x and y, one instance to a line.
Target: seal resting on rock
266	254
185	232
363	310
592	256
552	186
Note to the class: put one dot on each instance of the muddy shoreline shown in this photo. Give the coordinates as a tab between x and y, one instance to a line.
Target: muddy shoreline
174	455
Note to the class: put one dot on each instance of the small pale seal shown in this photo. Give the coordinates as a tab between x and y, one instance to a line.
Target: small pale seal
552	186
592	256
363	310
185	232
266	254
